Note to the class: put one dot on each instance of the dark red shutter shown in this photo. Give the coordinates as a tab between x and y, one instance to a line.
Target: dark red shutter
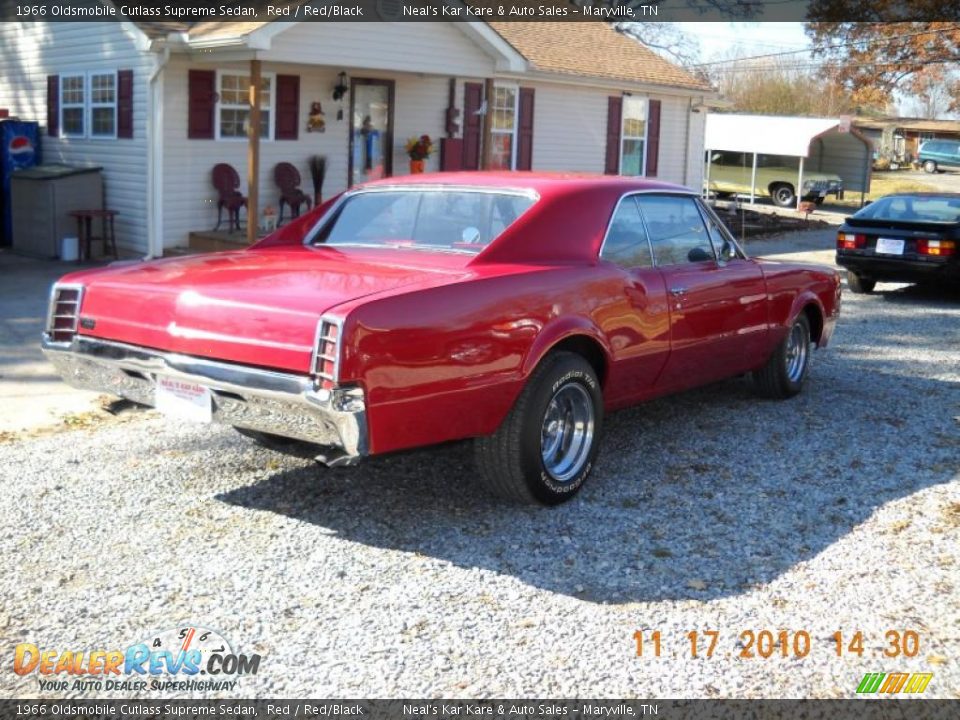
53	105
287	124
125	104
614	123
653	137
202	95
525	130
472	125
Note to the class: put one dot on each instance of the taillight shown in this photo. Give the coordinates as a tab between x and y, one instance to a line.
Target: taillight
938	248
64	313
326	354
851	241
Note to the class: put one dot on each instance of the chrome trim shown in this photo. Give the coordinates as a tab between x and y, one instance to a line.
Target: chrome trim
708	212
323	325
52	303
266	400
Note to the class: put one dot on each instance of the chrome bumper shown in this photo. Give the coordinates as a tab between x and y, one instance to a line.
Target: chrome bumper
273	402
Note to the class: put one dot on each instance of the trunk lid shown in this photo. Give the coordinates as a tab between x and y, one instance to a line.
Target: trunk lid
256	307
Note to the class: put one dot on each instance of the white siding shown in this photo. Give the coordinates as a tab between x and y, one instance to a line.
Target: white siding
189	197
434	47
570	127
29	52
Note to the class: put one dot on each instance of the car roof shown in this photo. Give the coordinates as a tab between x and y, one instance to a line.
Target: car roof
543	183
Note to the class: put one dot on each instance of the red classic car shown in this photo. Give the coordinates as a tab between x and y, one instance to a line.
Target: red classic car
512	308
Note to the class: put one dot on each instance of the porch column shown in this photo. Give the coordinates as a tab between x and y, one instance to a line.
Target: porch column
253	154
488	125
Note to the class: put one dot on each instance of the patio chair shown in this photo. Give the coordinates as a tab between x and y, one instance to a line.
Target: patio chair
226	181
287	178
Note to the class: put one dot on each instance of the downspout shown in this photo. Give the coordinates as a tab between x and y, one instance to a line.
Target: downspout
155	158
686	145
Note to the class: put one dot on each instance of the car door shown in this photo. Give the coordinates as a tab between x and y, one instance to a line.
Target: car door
713	301
638	326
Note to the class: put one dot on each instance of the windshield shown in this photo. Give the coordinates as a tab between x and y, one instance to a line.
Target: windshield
906	207
450	220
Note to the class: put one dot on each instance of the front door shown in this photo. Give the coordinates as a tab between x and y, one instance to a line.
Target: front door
716	306
371	129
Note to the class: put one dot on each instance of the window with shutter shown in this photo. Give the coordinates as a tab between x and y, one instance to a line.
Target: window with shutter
653	138
525	130
614	120
472	125
125	104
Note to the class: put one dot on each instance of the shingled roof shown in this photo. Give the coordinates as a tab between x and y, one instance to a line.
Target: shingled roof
582	49
592	49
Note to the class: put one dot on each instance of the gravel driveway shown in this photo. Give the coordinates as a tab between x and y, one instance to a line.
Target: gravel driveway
838	510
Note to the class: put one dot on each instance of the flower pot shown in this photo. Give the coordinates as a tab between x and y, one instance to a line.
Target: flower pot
417	166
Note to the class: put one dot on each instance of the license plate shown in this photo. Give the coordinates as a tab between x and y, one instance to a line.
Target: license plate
183	400
889	246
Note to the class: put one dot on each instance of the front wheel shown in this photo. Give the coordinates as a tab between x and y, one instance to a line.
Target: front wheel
545	448
930	167
783	195
786	370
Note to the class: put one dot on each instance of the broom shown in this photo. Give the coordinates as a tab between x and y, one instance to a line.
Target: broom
318	171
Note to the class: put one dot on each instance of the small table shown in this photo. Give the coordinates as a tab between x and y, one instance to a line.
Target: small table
85	233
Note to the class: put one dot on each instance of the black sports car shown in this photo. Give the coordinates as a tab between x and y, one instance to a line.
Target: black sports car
902	238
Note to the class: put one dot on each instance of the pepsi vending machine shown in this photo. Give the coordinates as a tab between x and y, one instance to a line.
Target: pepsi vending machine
19	148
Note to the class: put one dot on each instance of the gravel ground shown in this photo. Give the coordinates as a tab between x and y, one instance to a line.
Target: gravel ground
713	510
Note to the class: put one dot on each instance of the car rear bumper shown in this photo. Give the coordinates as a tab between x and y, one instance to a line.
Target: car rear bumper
246	397
898	270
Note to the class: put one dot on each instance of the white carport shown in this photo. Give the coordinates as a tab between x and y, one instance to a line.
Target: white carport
825	145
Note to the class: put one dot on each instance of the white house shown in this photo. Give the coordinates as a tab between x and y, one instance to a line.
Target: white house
157	105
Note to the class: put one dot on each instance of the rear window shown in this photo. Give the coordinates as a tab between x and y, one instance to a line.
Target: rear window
921	209
457	220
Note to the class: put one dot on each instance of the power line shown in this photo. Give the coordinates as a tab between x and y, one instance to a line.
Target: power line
884	41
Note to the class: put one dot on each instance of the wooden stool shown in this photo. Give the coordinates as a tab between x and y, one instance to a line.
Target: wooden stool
85	232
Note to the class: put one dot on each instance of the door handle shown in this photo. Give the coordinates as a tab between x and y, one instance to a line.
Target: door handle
678	291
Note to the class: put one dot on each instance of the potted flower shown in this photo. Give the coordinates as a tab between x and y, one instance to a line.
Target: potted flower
419	149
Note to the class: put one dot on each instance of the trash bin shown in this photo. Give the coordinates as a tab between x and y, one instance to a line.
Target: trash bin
70	249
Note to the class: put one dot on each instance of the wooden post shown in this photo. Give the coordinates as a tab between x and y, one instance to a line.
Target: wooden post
487	125
253	154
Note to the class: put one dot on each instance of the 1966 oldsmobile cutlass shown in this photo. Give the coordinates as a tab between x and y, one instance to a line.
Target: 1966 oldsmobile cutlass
512	308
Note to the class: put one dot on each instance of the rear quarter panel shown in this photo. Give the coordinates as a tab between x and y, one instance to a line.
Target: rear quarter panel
792	287
446	363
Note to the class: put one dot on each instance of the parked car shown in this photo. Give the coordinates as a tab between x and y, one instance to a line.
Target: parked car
776	178
901	238
513	308
936	154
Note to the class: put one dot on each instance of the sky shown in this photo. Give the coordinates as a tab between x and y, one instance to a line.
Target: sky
753	38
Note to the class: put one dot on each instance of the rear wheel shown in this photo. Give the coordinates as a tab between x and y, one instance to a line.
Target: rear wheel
783	195
786	370
860	284
930	166
545	448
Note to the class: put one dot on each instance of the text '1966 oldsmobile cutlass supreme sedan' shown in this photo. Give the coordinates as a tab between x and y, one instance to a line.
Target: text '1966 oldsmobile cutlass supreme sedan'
512	308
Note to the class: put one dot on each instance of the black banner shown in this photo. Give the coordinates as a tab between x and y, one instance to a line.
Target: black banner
220	11
153	709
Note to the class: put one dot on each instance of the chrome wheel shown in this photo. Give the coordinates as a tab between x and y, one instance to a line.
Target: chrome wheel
798	346
567	432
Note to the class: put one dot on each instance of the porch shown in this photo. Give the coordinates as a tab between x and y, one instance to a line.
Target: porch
356	116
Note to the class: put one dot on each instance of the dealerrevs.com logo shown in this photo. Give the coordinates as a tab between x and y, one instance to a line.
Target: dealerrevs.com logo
189	658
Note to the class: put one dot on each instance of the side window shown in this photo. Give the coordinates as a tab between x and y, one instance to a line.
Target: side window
626	242
677	232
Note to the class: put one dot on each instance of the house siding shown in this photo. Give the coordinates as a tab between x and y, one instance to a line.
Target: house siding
570	133
434	47
190	199
29	52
